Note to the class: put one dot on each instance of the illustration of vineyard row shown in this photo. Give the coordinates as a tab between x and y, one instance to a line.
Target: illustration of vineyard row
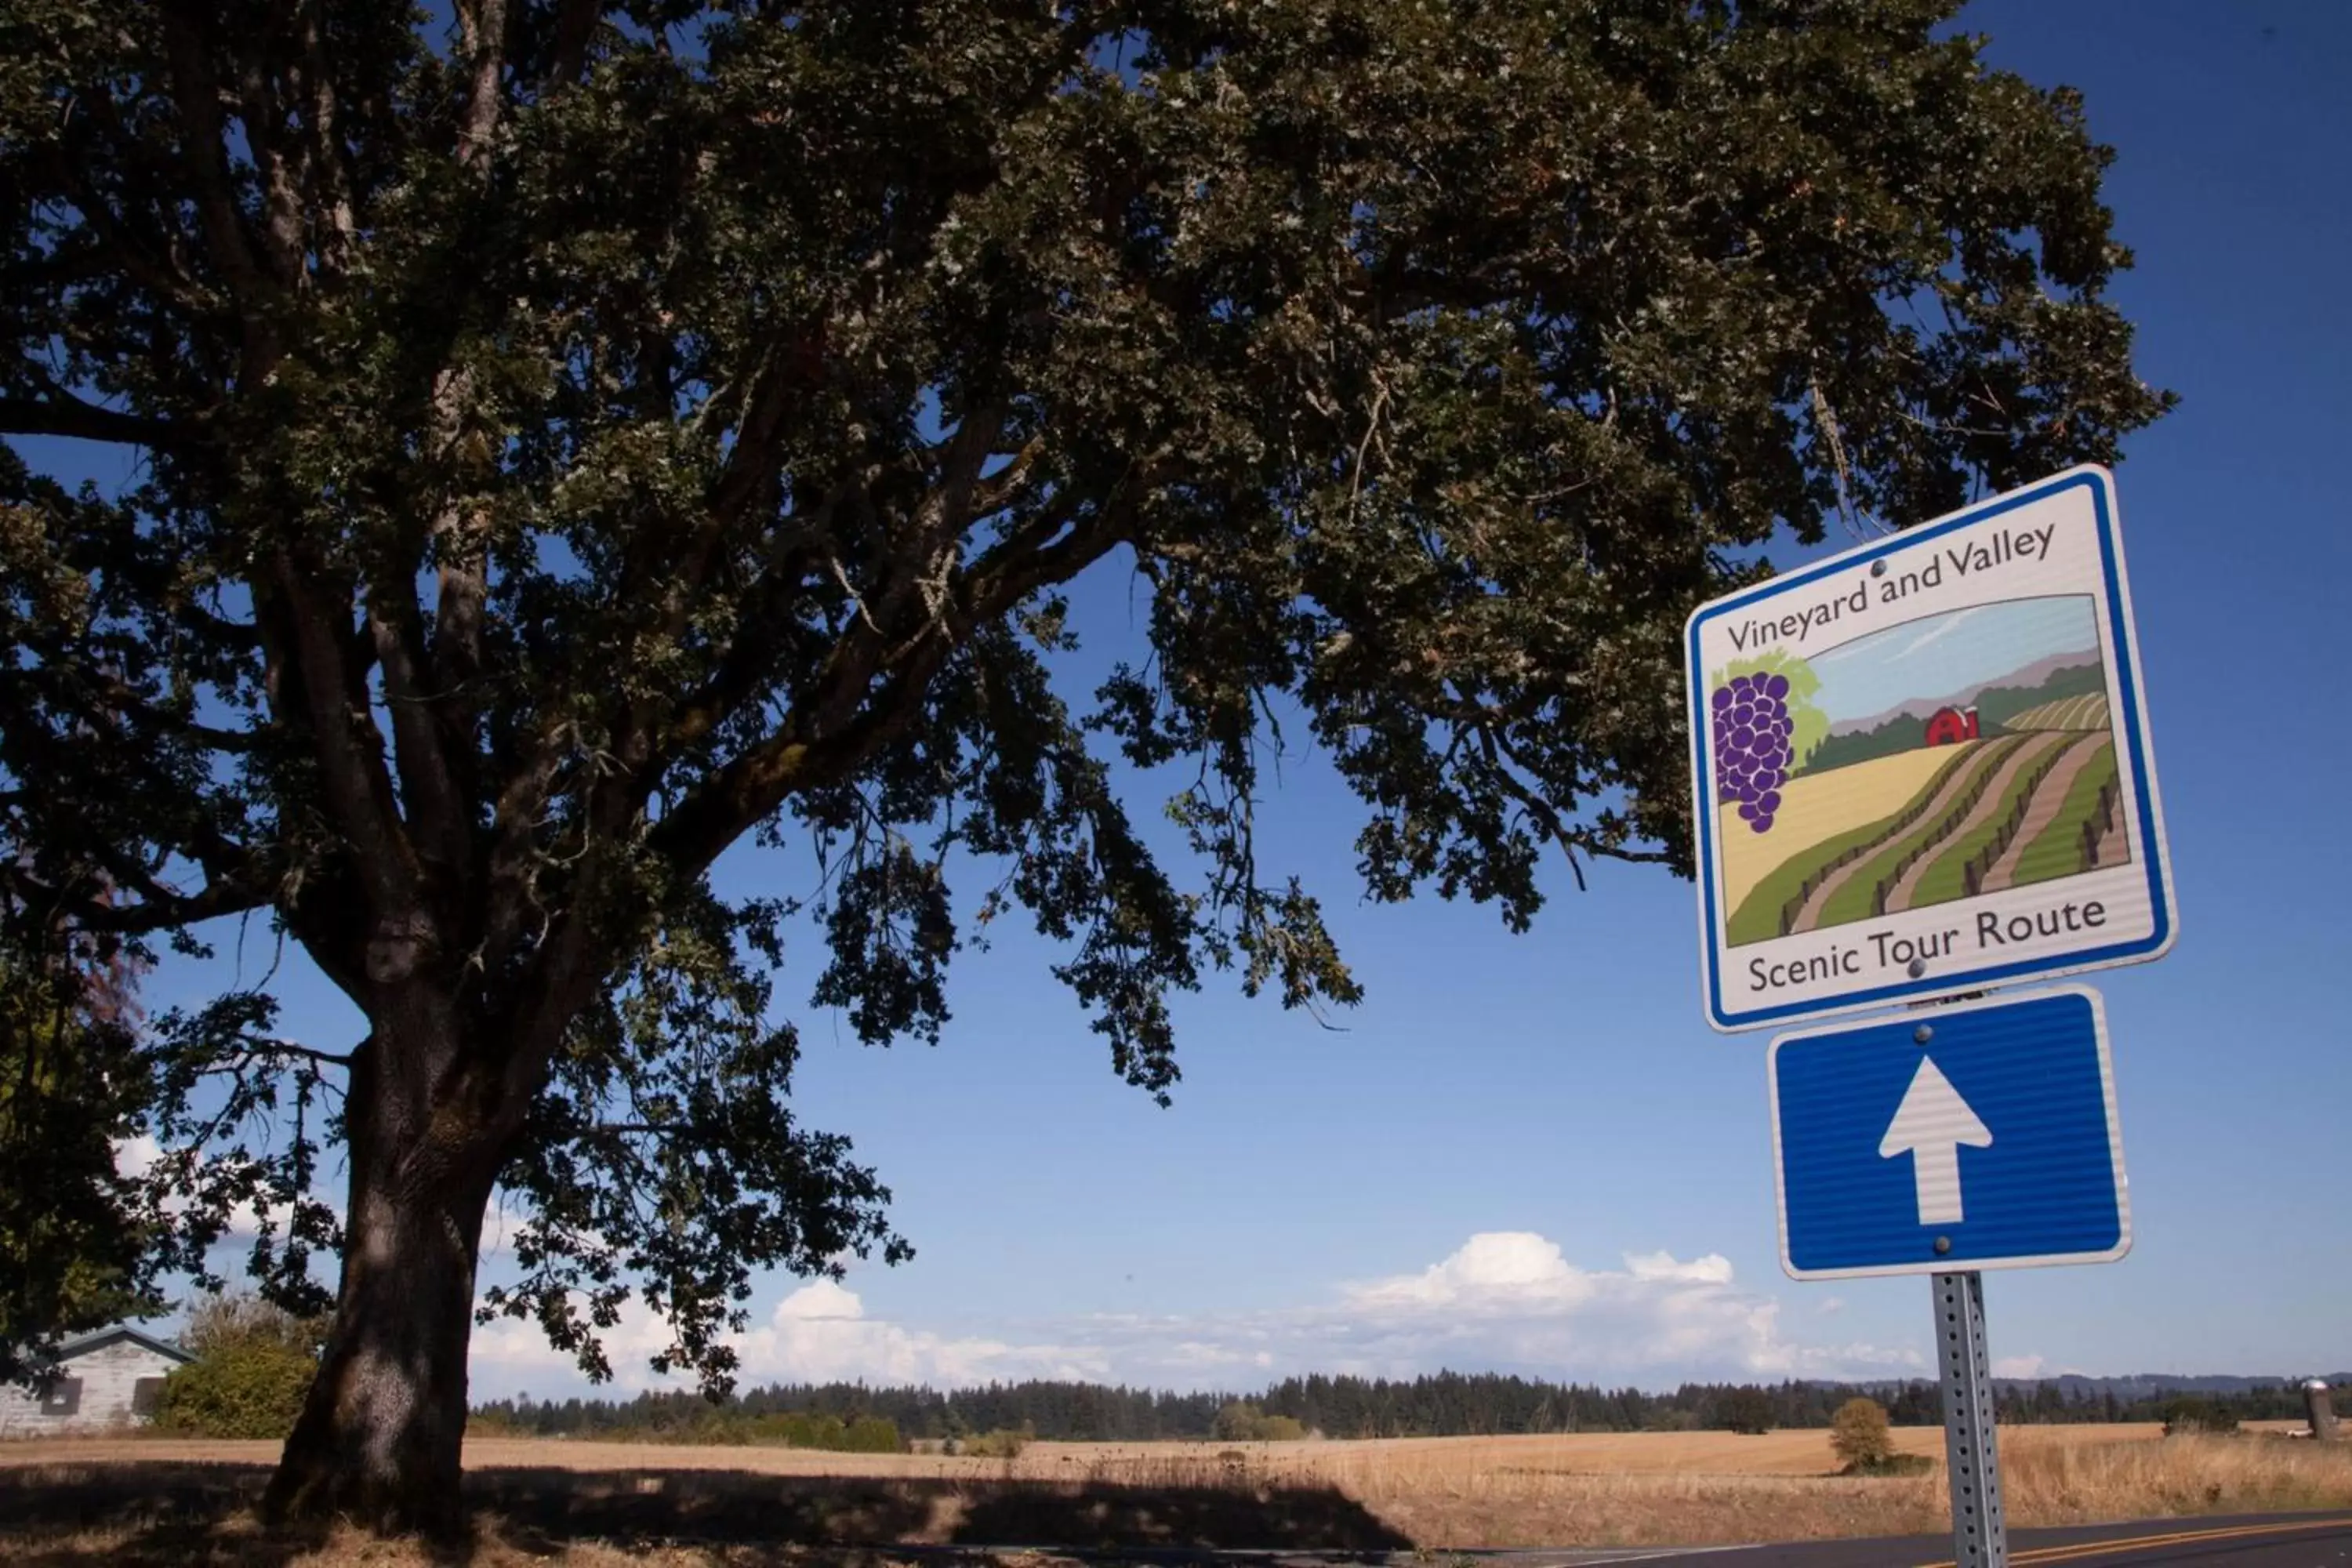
1995	767
2002	813
2088	712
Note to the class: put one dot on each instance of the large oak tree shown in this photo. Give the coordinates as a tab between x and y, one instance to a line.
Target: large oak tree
569	437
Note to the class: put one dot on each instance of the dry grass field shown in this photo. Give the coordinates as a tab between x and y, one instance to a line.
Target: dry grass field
591	1505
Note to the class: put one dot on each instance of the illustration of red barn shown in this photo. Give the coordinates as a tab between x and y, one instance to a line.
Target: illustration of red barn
1950	726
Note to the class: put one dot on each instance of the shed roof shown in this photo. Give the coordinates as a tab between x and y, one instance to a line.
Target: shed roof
115	1335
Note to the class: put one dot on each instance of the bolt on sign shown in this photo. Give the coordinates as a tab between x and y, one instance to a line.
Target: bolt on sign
1921	767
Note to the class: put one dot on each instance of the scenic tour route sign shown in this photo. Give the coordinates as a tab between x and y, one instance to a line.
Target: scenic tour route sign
1977	1135
1921	767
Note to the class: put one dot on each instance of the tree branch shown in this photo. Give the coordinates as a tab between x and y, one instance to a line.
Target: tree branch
1537	807
482	26
266	131
112	231
229	896
844	719
428	780
575	28
115	698
762	777
1003	487
358	786
197	96
923	565
283	1047
329	165
61	414
1059	543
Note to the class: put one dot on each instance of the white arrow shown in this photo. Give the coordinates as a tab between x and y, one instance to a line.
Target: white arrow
1930	1125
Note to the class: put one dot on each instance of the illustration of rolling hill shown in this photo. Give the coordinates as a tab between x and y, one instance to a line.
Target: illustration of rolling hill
1999	705
2032	677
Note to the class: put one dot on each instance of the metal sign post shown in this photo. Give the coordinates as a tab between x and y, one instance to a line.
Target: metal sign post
1971	1455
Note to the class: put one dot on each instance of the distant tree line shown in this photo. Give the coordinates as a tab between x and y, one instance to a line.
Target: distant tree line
1443	1404
700	1422
1077	1412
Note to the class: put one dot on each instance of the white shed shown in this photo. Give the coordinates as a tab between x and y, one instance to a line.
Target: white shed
104	1382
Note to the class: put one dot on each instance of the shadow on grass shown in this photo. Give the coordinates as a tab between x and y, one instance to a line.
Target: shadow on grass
78	1515
71	1514
1105	1514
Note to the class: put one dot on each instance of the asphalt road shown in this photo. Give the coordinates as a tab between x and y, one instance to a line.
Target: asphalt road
2261	1540
2249	1540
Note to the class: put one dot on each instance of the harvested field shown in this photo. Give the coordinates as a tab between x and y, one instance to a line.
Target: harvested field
586	1505
1816	808
1786	1453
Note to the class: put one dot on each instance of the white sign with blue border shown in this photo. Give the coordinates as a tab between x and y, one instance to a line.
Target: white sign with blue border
1977	1135
1921	767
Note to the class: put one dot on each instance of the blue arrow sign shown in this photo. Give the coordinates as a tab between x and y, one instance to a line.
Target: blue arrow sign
1991	1143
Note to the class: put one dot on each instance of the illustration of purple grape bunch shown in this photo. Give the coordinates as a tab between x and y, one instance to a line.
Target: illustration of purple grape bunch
1752	728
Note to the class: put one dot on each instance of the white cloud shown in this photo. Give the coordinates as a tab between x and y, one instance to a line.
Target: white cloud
1496	1269
1503	1301
2018	1366
511	1356
818	1333
1937	633
1712	1270
1512	1301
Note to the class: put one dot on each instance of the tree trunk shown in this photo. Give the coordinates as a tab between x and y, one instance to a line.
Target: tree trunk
379	1437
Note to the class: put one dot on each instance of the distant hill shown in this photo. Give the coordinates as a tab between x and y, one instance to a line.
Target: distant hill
1904	730
2028	678
2150	1385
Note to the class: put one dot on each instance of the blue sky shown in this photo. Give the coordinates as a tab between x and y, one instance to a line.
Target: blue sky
1984	642
1529	1153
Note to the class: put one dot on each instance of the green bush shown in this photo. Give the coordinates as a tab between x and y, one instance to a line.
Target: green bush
1241	1422
1859	1436
254	1365
872	1434
1005	1443
249	1390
